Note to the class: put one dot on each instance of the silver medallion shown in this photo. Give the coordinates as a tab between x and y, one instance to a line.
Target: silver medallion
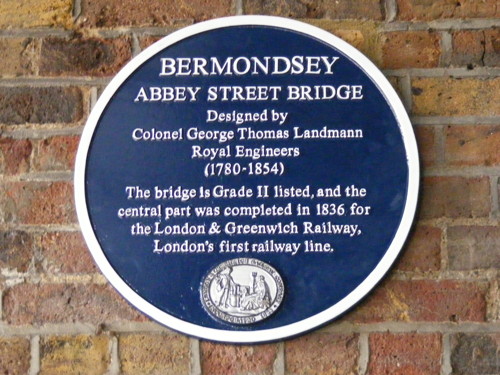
242	291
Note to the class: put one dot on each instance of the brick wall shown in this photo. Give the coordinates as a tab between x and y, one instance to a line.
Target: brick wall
438	311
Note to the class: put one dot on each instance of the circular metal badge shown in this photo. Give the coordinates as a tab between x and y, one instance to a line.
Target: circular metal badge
242	291
246	179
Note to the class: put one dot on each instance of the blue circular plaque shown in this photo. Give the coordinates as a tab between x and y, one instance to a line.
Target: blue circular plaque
247	179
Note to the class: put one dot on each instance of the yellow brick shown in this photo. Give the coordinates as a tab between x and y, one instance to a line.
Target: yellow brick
35	13
363	35
455	97
69	355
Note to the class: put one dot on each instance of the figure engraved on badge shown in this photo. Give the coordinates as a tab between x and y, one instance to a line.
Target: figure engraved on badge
242	291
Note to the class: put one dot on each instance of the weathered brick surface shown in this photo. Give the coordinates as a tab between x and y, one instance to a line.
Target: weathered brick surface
471	247
455	96
83	56
39	105
442	9
55	153
65	303
427	145
106	13
424	301
343	9
322	354
475	354
472	145
14	355
364	35
411	49
154	354
19	56
16	250
220	359
37	203
405	354
472	47
35	13
422	251
82	354
283	8
455	197
15	155
65	252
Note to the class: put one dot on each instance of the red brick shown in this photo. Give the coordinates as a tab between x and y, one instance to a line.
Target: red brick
16	250
455	197
411	49
84	56
37	203
112	13
475	353
455	96
154	354
74	355
65	303
472	145
14	355
148	40
40	105
56	153
15	155
405	354
19	57
472	247
427	145
66	252
322	354
220	359
423	301
492	47
422	251
443	9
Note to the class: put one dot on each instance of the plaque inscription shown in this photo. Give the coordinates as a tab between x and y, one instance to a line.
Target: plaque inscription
247	179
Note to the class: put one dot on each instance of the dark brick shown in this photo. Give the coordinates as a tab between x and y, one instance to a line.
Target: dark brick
472	247
322	354
475	354
427	145
39	105
16	250
422	251
14	356
65	303
112	13
404	354
15	155
66	252
84	56
455	197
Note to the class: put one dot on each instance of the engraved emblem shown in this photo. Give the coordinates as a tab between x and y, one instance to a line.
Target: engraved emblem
242	291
